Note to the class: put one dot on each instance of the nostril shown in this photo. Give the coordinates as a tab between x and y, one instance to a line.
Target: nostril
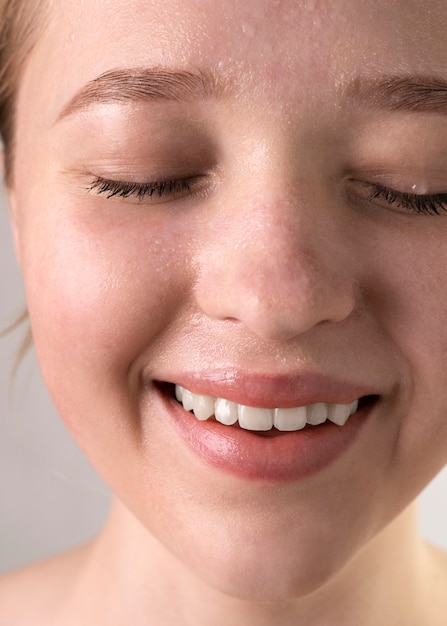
274	305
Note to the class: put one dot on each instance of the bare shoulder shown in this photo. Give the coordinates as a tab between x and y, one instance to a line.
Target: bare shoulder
32	596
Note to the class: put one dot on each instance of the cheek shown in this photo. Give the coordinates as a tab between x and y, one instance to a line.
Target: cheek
404	287
417	314
99	293
412	311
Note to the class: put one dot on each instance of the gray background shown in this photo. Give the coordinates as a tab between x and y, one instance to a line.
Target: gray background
50	498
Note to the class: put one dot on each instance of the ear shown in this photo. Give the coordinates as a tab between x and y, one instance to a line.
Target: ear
12	206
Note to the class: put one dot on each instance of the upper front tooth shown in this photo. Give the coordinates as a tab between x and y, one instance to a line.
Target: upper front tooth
252	418
225	411
290	419
316	413
203	406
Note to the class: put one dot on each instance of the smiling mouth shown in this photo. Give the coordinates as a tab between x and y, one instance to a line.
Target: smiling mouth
265	419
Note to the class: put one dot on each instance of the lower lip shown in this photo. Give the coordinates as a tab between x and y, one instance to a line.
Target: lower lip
273	456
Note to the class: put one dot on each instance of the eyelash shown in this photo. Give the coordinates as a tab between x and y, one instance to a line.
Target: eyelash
140	191
422	204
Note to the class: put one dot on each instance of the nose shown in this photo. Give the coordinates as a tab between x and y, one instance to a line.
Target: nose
276	268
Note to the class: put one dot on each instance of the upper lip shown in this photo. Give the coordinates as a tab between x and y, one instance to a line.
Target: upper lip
270	391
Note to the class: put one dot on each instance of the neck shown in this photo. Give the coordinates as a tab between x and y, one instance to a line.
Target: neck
127	567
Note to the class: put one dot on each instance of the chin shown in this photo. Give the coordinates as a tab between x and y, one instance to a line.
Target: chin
272	582
268	569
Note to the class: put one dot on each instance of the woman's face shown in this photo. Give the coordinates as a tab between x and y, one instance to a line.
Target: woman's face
236	209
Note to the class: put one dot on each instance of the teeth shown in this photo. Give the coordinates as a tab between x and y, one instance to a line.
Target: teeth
253	418
290	419
187	400
353	407
226	412
339	413
179	393
316	413
203	407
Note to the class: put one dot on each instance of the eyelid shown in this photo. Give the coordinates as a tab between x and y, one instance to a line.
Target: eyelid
402	201
156	191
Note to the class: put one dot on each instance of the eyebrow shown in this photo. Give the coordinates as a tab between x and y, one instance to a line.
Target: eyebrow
415	93
140	84
419	93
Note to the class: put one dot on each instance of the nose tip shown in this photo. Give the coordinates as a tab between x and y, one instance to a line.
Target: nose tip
277	287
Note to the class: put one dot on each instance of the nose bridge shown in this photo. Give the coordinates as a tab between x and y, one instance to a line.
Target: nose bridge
271	254
279	268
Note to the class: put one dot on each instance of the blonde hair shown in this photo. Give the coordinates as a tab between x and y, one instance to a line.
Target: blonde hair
21	21
20	24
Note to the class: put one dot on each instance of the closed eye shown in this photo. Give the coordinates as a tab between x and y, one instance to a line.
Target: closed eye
156	190
422	204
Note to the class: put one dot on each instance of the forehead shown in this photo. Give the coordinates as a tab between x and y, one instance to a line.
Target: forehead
278	45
